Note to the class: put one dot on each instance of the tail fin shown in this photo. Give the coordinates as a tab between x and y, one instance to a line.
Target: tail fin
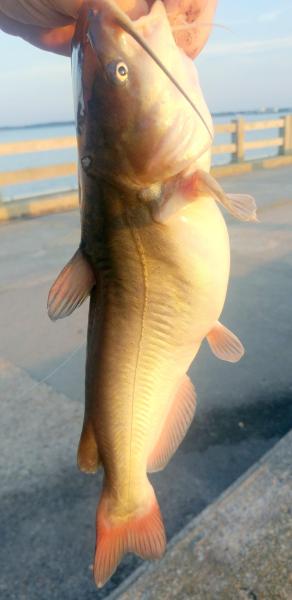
141	532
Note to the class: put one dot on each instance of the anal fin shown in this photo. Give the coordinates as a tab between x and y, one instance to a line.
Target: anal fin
225	344
87	457
175	427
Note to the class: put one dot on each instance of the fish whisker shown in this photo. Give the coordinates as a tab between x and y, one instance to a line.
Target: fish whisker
52	373
196	24
126	24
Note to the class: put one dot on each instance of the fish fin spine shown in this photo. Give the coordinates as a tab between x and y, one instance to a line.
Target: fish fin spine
175	427
88	459
72	286
240	206
225	344
142	533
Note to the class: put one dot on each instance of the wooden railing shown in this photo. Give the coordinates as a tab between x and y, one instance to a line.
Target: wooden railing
236	148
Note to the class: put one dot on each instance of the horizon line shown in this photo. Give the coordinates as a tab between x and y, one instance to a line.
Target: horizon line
264	110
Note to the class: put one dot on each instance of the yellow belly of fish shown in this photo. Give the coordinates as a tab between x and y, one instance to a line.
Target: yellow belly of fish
154	321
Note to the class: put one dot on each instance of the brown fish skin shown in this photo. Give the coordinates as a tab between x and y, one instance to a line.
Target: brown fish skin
160	286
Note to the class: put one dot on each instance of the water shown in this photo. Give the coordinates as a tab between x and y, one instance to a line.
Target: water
37	159
53	157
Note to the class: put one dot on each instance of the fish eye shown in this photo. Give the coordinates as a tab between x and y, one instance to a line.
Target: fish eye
117	72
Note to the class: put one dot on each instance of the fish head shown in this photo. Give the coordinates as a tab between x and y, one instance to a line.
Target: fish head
141	115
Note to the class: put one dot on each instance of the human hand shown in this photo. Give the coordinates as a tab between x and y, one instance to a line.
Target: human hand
50	24
47	24
191	22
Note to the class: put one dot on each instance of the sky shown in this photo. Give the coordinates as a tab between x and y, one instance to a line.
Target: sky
247	66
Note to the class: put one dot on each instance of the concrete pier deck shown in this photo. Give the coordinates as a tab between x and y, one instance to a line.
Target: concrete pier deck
47	523
239	548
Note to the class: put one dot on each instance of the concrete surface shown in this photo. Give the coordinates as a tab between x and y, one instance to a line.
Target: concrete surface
47	507
39	207
240	548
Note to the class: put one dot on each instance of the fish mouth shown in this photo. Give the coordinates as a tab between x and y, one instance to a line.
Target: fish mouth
119	18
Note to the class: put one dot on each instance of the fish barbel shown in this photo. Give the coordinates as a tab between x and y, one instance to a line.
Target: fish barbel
154	257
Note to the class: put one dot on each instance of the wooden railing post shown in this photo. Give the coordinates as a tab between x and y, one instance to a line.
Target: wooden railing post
286	133
238	140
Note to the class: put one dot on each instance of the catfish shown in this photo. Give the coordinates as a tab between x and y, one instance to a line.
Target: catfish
154	258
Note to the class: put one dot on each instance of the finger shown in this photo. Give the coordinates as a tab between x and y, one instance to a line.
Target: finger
43	13
56	40
206	15
194	14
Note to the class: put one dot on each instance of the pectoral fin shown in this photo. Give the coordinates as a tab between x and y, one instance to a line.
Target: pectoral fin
180	193
241	206
175	427
224	344
71	287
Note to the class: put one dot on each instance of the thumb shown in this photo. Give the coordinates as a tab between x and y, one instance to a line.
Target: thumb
56	40
42	13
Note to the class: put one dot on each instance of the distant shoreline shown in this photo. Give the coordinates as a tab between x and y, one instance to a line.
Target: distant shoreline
257	111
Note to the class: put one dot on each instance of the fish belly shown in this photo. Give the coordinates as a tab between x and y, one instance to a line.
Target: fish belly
166	291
